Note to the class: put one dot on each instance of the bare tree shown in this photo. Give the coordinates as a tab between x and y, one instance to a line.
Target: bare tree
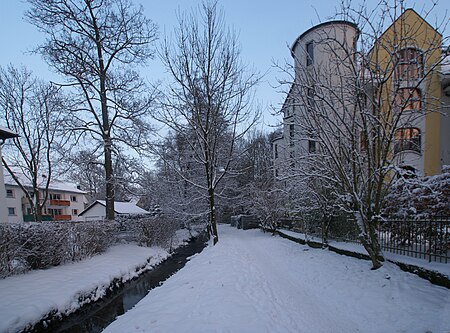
36	111
354	101
208	103
95	45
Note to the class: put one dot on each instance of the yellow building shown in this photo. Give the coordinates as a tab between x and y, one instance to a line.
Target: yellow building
413	90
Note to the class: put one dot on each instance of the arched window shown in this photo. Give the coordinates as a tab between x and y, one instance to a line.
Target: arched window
407	139
408	99
410	64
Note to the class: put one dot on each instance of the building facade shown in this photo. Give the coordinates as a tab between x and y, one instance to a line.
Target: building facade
318	55
5	134
413	83
417	84
64	203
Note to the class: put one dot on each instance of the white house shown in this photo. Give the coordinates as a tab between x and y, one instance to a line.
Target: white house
97	210
65	202
4	134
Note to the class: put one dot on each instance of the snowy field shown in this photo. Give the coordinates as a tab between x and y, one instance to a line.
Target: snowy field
27	298
254	282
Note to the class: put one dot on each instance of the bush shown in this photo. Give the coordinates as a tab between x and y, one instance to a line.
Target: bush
42	245
421	197
150	230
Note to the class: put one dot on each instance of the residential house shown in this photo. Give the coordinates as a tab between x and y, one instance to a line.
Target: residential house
5	133
415	81
97	210
64	203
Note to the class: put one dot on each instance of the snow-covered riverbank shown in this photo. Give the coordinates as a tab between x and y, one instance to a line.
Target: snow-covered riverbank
28	298
254	282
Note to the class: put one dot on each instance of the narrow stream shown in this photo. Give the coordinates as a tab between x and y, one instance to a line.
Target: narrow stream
94	317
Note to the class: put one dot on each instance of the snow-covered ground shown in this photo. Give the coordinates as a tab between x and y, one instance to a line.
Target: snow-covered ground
26	299
254	282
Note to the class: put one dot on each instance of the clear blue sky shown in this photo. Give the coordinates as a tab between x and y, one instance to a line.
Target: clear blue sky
266	30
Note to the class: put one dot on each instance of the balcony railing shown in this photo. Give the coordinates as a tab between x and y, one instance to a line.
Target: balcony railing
59	202
62	217
30	218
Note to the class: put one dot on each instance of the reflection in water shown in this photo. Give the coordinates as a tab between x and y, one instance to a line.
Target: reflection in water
94	317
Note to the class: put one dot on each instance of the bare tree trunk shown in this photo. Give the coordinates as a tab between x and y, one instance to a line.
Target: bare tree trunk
369	239
212	216
109	180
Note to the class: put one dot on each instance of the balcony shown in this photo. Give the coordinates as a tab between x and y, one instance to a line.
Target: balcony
62	218
59	203
30	218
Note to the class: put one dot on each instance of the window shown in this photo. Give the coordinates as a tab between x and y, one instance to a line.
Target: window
408	99
74	211
55	196
73	198
54	211
407	139
11	211
275	148
309	54
410	64
9	193
291	134
311	146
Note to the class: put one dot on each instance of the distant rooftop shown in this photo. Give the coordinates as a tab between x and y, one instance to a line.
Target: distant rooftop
55	185
119	207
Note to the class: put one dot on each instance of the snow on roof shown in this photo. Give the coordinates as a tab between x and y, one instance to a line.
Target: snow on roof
119	207
55	185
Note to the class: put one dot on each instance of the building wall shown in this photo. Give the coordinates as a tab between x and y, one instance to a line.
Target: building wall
16	203
411	30
445	130
96	212
331	43
3	206
21	205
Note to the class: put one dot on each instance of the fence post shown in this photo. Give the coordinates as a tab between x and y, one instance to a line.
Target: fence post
430	231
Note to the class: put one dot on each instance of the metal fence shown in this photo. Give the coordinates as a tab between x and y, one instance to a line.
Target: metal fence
425	238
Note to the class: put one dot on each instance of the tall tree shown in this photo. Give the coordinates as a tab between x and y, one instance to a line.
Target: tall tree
96	45
208	103
36	111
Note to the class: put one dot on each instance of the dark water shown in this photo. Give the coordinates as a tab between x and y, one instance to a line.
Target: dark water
94	317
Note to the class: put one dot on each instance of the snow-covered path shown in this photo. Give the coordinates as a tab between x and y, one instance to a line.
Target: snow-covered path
253	282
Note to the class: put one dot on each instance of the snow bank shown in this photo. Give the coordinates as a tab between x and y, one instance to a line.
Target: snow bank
27	298
254	282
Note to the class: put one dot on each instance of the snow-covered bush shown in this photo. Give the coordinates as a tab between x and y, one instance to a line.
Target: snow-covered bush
157	230
42	245
421	197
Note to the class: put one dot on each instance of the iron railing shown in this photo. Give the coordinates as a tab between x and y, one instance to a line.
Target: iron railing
419	238
427	239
